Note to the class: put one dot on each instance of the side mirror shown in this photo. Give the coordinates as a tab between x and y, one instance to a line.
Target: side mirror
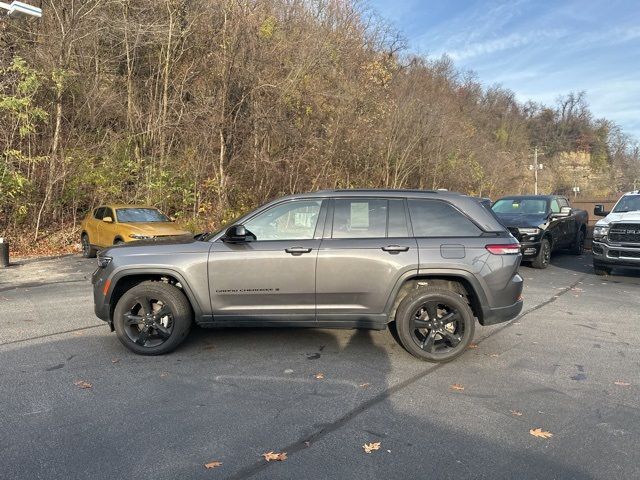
238	234
563	213
107	220
599	211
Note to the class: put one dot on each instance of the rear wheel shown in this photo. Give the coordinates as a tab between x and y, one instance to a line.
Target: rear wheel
543	258
87	250
152	318
434	324
578	246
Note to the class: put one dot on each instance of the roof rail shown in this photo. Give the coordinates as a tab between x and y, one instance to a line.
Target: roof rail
412	190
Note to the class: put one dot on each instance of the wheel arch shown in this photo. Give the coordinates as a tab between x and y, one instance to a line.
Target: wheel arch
460	282
126	280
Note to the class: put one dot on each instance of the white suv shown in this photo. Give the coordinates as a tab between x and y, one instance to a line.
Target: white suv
616	238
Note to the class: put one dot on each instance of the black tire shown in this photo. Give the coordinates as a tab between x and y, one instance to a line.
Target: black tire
160	332
87	250
601	270
424	334
543	258
578	246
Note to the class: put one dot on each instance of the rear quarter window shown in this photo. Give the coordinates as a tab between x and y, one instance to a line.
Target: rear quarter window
432	218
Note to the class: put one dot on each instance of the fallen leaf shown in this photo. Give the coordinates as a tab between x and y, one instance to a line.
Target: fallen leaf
494	355
78	334
538	432
364	385
82	384
307	444
621	383
269	456
473	345
516	413
319	376
115	360
164	374
214	464
370	447
457	386
209	347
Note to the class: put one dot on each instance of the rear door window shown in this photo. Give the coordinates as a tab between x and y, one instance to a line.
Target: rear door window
360	218
433	218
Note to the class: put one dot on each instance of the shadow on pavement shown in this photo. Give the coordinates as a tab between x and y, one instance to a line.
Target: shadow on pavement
231	395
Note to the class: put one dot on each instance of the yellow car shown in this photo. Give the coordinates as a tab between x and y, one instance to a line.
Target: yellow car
116	224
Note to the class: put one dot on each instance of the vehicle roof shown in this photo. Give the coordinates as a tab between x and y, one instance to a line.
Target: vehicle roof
123	205
387	192
531	197
634	192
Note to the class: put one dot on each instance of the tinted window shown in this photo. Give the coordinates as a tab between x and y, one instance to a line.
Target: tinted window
563	202
397	219
359	218
98	213
555	206
431	218
133	215
288	221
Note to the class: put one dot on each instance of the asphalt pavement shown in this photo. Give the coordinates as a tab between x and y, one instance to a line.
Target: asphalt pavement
568	365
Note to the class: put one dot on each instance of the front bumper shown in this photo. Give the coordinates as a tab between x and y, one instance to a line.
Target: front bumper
615	255
100	304
530	249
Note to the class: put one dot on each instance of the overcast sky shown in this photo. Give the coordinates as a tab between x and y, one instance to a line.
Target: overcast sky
540	49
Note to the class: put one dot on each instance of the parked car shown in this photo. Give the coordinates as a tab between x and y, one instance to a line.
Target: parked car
616	238
115	224
433	262
543	224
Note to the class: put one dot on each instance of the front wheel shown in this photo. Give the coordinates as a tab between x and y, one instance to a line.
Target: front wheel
434	324
543	258
152	318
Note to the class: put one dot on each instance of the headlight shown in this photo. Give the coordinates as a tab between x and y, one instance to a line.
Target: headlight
529	231
103	261
600	231
139	236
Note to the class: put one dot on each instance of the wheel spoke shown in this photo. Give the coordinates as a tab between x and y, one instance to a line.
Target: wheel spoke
131	319
427	344
432	310
145	304
417	323
449	317
162	332
451	338
163	312
143	337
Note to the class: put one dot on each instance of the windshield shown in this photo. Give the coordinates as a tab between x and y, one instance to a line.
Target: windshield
522	206
139	215
629	203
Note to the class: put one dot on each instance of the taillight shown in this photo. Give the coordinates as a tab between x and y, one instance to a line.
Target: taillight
506	249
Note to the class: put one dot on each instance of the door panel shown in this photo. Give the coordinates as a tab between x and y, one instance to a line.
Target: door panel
356	276
262	279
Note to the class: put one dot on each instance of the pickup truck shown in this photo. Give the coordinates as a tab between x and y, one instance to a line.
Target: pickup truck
616	238
543	224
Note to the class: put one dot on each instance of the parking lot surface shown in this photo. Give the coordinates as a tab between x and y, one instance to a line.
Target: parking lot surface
568	365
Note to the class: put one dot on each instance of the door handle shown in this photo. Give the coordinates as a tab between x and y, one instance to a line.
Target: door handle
297	250
395	248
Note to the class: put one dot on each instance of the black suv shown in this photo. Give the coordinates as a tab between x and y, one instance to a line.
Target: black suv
431	262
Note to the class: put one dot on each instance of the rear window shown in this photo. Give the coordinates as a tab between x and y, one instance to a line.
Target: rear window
432	218
360	218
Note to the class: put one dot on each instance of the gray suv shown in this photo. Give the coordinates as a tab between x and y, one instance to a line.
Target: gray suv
428	263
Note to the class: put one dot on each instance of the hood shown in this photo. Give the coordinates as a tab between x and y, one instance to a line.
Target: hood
158	246
520	220
157	229
631	217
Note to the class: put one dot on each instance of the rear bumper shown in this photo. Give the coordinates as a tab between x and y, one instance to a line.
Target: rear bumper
503	310
612	255
491	316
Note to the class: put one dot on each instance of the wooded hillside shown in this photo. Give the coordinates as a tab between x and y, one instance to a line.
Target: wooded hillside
206	109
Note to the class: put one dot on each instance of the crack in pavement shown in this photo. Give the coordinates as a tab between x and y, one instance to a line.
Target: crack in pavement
39	284
11	342
306	441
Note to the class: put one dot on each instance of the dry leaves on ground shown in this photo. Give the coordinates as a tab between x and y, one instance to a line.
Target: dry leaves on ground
516	413
370	447
473	345
82	384
214	464
457	386
115	360
319	376
621	383
538	432
275	456
164	374
364	385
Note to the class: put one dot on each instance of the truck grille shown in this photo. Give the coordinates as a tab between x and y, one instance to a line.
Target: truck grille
624	254
625	232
